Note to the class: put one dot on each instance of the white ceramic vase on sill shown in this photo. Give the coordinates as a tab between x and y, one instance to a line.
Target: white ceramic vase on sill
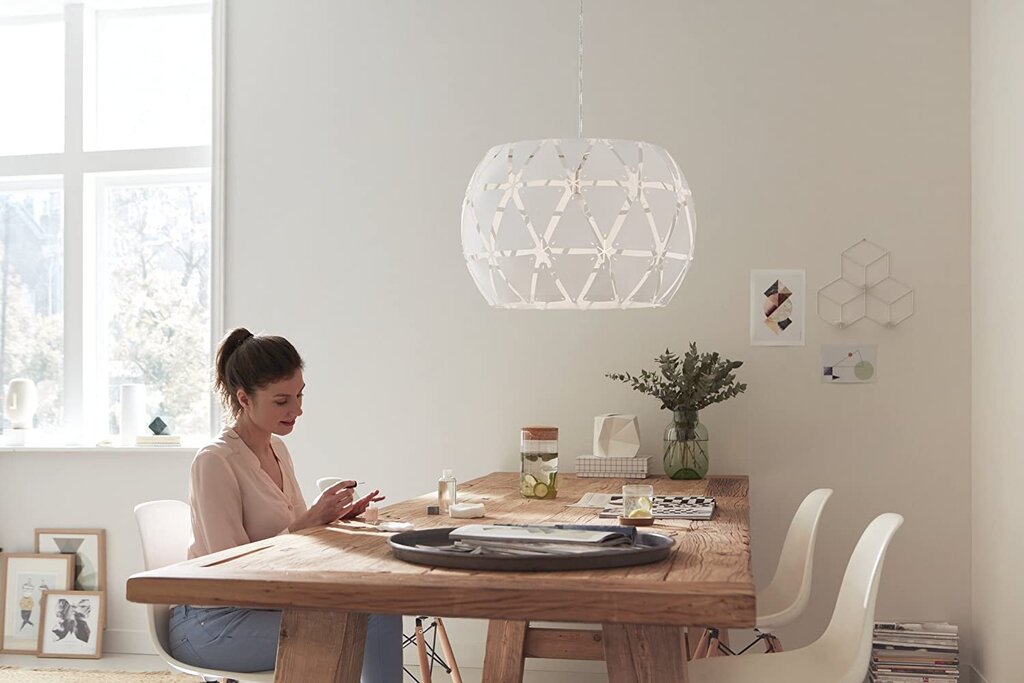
133	413
21	403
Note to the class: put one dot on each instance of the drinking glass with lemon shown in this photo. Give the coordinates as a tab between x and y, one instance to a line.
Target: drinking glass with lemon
637	501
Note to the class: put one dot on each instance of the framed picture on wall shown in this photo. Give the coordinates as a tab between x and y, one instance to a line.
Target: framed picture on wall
24	578
89	547
777	307
71	624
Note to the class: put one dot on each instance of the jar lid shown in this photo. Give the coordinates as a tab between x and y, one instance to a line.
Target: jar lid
540	433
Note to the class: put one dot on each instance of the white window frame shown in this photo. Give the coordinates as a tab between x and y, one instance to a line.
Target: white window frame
84	339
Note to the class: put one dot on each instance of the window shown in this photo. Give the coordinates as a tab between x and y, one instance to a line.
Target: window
106	230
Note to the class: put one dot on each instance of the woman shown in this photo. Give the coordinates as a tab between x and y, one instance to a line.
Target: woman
243	489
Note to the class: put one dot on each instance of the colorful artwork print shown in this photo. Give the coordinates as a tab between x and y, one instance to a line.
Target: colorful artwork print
71	626
777	307
26	580
849	364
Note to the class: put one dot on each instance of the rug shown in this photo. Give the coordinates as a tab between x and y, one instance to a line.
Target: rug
10	674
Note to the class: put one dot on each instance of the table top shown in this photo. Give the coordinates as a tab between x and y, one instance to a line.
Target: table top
348	566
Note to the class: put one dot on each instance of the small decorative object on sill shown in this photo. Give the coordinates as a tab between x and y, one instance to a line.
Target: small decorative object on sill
20	408
161	435
617	468
685	386
158	426
616	436
133	413
539	462
433	509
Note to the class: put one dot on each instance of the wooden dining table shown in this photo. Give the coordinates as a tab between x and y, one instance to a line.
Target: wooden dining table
327	580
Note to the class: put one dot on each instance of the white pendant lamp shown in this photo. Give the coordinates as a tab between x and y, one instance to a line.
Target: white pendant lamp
578	223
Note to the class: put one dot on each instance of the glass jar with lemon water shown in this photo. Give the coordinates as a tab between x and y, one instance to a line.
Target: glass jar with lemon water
538	450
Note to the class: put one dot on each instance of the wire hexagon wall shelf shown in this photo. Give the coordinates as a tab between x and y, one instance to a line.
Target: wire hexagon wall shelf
865	289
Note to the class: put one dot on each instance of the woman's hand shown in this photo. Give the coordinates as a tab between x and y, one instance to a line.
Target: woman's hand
359	507
332	504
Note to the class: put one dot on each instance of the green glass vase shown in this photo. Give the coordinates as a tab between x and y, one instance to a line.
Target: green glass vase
686	446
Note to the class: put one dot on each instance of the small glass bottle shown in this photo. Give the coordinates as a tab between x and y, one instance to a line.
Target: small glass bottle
447	491
538	477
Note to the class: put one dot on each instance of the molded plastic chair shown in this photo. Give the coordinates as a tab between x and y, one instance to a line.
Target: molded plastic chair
165	530
783	600
842	654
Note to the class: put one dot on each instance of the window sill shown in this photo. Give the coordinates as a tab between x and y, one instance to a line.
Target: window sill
133	450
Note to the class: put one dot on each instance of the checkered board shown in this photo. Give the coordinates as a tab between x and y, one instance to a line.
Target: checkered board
669	507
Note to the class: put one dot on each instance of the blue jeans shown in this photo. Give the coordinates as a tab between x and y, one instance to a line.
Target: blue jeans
245	640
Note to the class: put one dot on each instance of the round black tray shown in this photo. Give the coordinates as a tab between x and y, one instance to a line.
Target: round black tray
649	548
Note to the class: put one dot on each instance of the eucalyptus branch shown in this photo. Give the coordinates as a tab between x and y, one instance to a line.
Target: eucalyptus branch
696	381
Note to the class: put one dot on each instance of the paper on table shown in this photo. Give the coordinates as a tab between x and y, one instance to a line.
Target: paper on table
593	500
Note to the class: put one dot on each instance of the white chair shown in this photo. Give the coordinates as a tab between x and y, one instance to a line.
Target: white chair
843	652
783	600
165	530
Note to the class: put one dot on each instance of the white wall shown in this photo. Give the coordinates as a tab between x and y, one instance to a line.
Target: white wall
997	135
802	126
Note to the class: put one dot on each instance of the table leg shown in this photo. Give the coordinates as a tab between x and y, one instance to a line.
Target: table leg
322	646
645	654
504	657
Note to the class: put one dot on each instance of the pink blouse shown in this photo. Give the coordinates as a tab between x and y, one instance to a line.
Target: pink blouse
234	501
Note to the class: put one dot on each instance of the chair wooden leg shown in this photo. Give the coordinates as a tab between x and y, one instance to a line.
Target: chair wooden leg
421	647
449	655
701	651
713	644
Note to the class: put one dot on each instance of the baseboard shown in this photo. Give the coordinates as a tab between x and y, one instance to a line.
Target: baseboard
127	642
976	676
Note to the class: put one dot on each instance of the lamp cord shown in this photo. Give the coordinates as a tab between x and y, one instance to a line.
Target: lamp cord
580	120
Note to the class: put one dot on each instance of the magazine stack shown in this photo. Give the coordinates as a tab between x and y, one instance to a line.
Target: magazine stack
915	653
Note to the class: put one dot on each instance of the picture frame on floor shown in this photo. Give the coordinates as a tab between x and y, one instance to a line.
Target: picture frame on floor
89	547
71	625
24	577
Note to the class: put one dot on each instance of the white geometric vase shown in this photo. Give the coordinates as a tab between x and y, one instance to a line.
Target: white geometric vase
21	403
578	223
616	436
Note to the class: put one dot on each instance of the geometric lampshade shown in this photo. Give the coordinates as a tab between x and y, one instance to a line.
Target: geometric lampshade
578	223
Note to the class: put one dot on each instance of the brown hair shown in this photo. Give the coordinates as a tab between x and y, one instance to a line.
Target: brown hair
250	362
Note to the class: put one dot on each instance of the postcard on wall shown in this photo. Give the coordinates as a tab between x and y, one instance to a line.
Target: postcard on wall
845	364
777	307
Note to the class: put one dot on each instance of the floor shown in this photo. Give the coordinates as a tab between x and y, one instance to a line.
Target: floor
118	662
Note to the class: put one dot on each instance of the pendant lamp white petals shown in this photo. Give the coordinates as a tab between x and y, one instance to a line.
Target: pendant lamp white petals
578	223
